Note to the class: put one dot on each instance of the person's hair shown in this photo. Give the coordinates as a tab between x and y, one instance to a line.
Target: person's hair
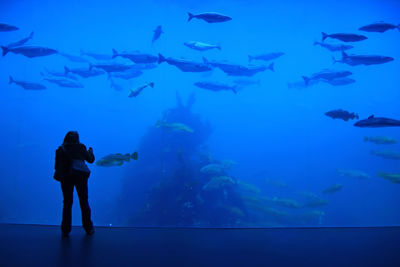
72	137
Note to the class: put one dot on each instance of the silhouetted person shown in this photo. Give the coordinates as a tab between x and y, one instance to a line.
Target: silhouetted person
72	171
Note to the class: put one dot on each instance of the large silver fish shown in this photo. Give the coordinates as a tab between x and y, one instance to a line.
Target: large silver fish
84	72
266	57
379	27
354	60
216	86
345	37
210	17
7	28
376	122
201	46
184	65
137	57
27	85
334	47
65	83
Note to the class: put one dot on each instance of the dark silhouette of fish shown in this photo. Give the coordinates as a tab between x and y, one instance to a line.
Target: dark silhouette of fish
30	51
84	72
96	56
327	75
27	85
7	28
65	83
73	58
334	47
138	58
341	114
238	70
126	75
340	81
345	37
20	42
379	27
210	17
110	67
184	65
266	57
373	122
354	60
216	86
157	33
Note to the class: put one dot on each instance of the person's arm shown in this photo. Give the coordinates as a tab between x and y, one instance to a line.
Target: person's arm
89	156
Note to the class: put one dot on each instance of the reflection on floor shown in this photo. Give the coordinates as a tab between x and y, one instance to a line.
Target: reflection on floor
32	245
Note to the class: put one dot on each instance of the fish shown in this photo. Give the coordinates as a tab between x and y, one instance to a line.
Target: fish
238	70
216	86
65	83
286	202
372	122
210	17
379	27
302	84
157	33
59	74
380	140
7	28
96	56
110	67
354	60
386	154
73	58
219	182
334	47
175	126
201	46
135	93
184	65
266	57
340	81
126	74
342	114
353	173
345	37
316	202
27	85
332	189
84	72
214	168
117	159
327	75
29	51
391	177
20	42
136	57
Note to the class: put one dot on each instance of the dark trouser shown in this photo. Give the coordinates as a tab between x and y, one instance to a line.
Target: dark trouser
67	187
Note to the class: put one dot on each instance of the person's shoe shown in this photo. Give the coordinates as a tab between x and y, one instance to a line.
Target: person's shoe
90	232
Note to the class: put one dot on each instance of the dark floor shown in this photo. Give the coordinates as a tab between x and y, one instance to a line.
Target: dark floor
29	245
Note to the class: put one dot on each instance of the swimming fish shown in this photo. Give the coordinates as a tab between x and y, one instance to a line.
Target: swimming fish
27	85
60	74
345	37
7	28
96	55
84	72
386	154
65	83
136	57
216	86
184	65
380	140
73	58
334	47
354	60
20	42
391	177
117	159
126	75
327	75
210	17
29	51
353	173
176	126
110	67
266	57
135	93
340	81
342	114
157	33
379	27
201	46
373	122
332	189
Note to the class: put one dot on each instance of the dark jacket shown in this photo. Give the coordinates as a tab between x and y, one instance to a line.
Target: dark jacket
63	160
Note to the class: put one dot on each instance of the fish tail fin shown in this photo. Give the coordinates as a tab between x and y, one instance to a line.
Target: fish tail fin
234	89
324	36
219	47
365	138
115	53
271	66
191	16
334	60
134	156
66	70
316	43
90	66
31	35
306	79
250	58
205	61
161	58
5	50
151	84
344	54
11	80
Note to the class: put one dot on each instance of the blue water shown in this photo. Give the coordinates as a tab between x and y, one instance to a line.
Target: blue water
282	142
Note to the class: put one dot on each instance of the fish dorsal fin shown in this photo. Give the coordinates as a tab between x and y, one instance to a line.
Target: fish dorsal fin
371	117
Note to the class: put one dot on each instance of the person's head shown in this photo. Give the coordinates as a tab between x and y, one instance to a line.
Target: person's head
72	137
